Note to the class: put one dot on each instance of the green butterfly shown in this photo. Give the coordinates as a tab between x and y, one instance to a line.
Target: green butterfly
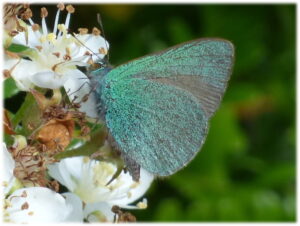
157	107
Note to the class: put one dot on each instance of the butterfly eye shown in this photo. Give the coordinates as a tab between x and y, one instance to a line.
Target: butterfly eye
96	66
102	64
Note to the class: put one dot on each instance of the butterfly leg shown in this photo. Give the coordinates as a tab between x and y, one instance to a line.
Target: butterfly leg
132	166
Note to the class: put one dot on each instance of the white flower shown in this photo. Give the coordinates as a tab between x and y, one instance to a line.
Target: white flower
41	205
88	179
52	58
8	178
36	204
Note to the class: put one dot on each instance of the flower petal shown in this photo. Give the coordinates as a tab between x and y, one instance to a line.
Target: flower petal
88	179
77	175
98	212
77	212
37	205
93	43
33	39
138	189
8	178
21	72
66	172
48	79
79	85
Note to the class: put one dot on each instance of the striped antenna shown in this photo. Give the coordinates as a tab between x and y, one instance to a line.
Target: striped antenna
99	20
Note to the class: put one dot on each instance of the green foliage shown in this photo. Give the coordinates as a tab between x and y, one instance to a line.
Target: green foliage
16	48
10	88
246	169
28	114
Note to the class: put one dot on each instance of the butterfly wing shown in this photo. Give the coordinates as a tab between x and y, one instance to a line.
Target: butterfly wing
158	106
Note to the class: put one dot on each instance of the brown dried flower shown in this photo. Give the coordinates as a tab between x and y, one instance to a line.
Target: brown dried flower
56	134
30	166
11	14
121	216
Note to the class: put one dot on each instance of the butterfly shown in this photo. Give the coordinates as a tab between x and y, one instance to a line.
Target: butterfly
157	107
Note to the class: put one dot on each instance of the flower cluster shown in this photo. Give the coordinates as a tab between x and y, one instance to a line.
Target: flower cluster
49	59
39	136
90	197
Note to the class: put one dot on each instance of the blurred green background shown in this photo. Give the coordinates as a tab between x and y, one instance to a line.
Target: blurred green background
246	169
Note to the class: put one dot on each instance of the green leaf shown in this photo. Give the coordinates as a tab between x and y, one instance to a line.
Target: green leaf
8	140
10	88
29	114
16	48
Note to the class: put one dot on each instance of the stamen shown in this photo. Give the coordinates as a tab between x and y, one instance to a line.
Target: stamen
142	205
13	33
44	14
56	21
67	20
77	62
83	31
30	21
12	54
20	27
35	27
51	37
103	51
39	48
43	38
96	31
24	194
67	57
62	29
90	61
68	51
57	54
6	74
25	206
61	6
27	14
70	10
44	27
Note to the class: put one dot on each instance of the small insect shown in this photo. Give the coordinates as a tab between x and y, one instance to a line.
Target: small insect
157	107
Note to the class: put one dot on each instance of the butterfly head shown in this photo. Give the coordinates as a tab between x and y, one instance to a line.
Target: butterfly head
99	69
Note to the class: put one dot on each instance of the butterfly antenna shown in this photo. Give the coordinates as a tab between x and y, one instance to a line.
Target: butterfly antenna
99	20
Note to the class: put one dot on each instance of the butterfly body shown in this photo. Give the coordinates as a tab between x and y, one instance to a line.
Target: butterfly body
157	107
